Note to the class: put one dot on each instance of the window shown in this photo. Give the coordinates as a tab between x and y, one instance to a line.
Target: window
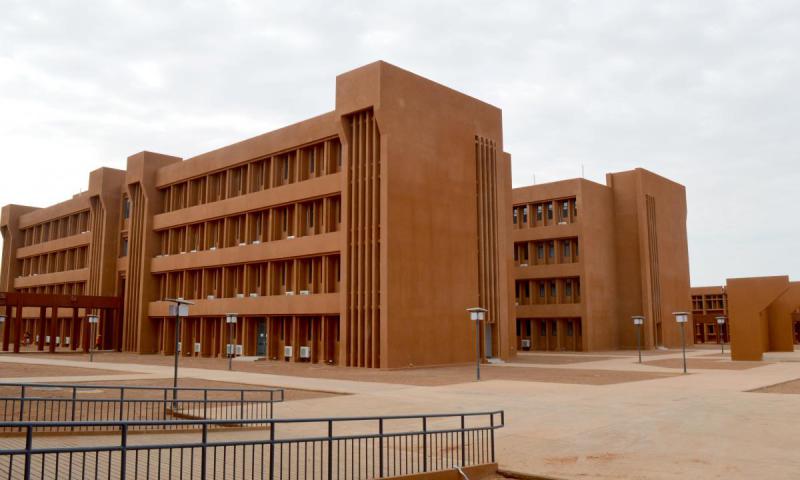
527	289
126	208
312	161
540	251
551	250
124	248
543	331
553	291
569	328
515	216
539	210
310	216
525	214
566	248
554	328
541	289
565	209
576	248
568	288
285	168
549	211
574	208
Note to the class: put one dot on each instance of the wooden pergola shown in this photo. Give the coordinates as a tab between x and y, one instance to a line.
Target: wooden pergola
52	330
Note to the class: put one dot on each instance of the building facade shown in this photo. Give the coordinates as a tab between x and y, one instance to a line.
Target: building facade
708	303
588	256
332	239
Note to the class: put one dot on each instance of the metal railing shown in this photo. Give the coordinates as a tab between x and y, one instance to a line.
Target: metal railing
75	403
324	448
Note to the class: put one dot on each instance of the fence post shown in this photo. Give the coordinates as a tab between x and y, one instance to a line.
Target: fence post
164	406
123	454
241	405
28	447
463	444
21	405
424	444
491	425
380	446
121	401
74	401
272	451
203	454
205	404
330	449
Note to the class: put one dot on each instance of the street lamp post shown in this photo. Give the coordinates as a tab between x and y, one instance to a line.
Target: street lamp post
638	320
721	323
230	319
180	308
477	315
682	318
93	321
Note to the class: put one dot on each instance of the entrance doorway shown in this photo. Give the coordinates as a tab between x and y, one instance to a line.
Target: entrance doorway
261	342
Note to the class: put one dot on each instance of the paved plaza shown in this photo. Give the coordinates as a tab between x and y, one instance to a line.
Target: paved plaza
568	415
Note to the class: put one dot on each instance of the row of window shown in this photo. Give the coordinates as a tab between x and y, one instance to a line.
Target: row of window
57	228
543	327
546	252
708	302
72	288
551	212
296	276
313	161
548	291
59	261
312	217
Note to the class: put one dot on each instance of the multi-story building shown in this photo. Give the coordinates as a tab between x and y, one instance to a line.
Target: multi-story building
588	256
709	303
357	237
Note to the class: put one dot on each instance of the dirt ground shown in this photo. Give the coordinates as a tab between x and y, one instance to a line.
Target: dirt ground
431	376
705	363
21	370
792	387
545	359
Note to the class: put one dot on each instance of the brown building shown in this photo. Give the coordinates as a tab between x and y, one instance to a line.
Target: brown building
357	237
763	314
589	256
708	303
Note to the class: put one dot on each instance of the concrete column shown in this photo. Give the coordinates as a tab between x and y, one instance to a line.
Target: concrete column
7	328
53	329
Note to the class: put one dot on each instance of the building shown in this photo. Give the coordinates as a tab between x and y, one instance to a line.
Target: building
588	256
333	239
709	303
763	314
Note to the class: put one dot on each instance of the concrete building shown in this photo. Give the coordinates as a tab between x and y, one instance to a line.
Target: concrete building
588	256
357	237
708	303
763	314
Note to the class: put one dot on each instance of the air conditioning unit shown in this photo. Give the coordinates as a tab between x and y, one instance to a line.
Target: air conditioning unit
229	348
287	352
304	292
212	248
239	350
179	347
256	242
58	340
562	222
289	292
210	297
47	339
240	295
194	250
523	264
196	347
526	343
253	295
66	340
183	253
290	237
242	244
305	352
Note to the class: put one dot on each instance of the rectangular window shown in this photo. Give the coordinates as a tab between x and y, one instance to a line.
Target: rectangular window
554	328
549	211
568	288
126	208
525	214
286	168
551	250
566	248
569	329
553	291
539	212
124	248
540	251
541	289
514	218
312	161
565	209
575	208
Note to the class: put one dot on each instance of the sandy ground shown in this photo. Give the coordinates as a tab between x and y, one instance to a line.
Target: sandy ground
792	387
21	370
705	364
448	375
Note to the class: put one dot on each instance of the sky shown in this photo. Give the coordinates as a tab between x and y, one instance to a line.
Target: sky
702	92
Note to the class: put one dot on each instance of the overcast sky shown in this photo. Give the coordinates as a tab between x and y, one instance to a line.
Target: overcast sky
702	92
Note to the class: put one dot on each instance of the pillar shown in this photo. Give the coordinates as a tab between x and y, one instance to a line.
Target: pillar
74	332
40	328
7	328
53	329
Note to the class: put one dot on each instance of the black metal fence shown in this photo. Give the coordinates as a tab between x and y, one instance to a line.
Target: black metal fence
32	402
324	448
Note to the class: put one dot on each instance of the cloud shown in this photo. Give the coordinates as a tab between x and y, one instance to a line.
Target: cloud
701	92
